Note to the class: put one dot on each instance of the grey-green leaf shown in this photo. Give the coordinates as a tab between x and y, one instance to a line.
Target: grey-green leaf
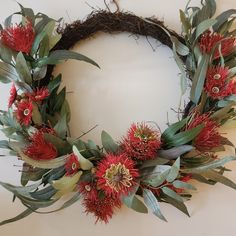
108	143
58	56
152	203
23	69
174	171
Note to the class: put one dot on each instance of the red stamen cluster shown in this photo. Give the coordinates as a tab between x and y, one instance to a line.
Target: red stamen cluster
211	41
217	85
39	94
13	95
39	148
116	175
72	165
209	137
19	38
141	142
97	203
24	112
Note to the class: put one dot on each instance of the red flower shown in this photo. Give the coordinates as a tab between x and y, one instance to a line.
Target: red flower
88	190
13	95
24	112
39	148
209	41
116	175
39	94
102	207
19	38
217	85
141	142
209	137
72	165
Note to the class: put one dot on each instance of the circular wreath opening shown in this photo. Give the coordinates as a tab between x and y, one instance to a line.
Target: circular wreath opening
145	162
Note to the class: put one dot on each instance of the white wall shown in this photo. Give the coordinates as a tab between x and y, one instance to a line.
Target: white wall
135	83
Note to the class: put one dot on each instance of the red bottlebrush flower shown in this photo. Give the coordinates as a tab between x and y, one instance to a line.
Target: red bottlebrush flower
116	174
216	84
141	142
39	94
72	165
13	95
209	40
101	206
19	38
39	148
88	190
24	112
209	137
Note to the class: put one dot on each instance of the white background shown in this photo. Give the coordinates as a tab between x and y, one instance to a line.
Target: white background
134	84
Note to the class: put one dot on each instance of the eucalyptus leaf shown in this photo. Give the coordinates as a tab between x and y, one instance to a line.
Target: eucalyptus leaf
183	185
108	143
24	214
23	69
85	164
61	127
59	56
44	164
174	171
152	203
222	18
171	193
213	175
185	136
211	165
199	79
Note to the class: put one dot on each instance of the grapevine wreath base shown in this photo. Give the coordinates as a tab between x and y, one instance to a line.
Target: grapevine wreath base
146	166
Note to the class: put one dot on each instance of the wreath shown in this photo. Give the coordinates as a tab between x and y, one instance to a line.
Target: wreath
146	166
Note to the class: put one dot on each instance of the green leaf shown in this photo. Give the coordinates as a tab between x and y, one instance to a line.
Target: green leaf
39	73
203	26
85	164
7	73
133	202
213	175
108	143
47	32
27	13
66	184
157	176
44	194
24	214
181	49
222	18
185	22
63	147
172	129
154	162
171	193
36	115
180	63
175	152
60	99
23	69
174	171
59	56
185	136
48	164
54	84
6	53
61	127
183	185
210	165
65	110
4	144
152	203
179	205
199	79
